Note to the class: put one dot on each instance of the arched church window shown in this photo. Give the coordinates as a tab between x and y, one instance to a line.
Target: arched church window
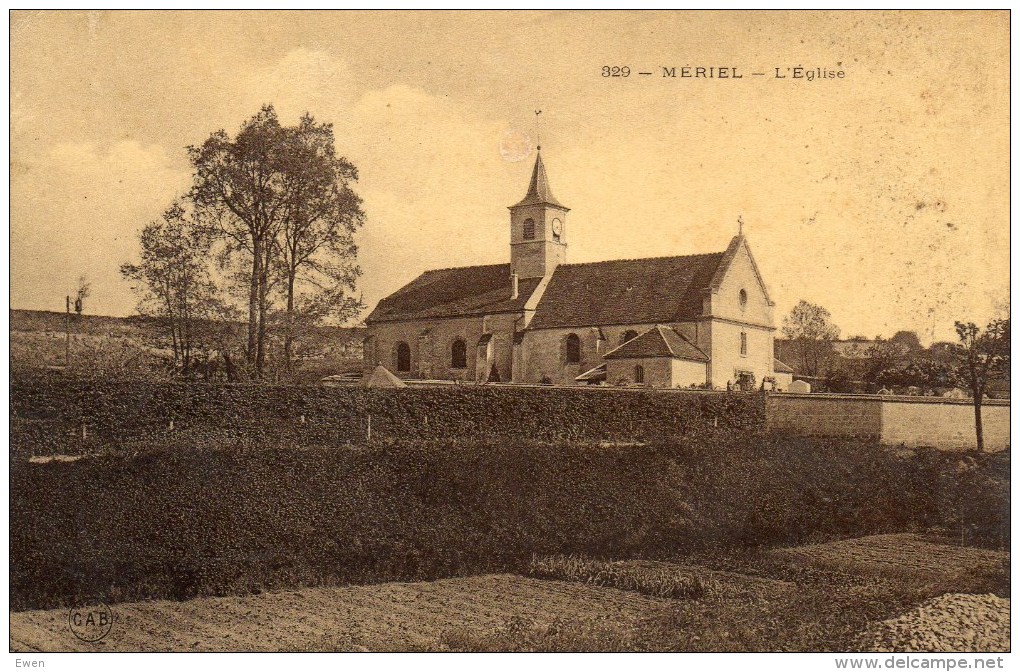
458	354
639	374
529	229
573	349
628	335
403	357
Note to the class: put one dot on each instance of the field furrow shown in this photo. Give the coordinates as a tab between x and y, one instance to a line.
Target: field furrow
378	617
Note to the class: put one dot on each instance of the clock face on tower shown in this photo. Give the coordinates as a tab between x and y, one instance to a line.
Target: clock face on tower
557	228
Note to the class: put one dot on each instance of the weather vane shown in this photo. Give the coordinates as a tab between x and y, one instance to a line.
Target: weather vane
740	225
538	129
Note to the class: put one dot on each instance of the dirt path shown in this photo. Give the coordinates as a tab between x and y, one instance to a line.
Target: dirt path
384	617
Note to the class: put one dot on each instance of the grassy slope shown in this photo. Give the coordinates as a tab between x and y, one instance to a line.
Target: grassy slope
100	342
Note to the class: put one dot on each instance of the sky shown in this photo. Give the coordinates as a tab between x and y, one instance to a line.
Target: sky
882	195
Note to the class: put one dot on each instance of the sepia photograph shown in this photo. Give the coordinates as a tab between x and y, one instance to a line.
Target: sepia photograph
566	331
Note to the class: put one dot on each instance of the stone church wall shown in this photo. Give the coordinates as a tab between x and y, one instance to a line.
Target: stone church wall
544	351
726	357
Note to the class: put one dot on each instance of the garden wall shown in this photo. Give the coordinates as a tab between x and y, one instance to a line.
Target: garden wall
51	414
911	421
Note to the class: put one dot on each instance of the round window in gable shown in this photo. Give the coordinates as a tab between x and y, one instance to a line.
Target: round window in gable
743	298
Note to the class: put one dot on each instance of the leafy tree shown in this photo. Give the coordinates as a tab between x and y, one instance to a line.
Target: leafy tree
173	280
982	354
907	340
280	201
842	374
810	328
931	372
884	364
317	236
240	189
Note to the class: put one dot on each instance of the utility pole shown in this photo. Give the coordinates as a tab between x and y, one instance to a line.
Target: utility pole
67	335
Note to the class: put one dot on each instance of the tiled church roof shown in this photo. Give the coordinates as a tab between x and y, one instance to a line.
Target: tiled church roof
658	341
627	291
455	292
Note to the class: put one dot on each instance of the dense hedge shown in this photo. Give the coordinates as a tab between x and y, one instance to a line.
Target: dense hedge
172	524
48	411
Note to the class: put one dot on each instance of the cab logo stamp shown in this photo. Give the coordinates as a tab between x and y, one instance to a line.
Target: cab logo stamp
90	623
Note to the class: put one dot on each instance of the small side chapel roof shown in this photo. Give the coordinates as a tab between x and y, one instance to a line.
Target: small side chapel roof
659	341
780	367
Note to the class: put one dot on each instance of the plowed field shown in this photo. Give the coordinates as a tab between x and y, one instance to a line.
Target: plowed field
898	554
384	617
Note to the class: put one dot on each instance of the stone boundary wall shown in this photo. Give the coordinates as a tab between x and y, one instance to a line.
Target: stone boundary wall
896	420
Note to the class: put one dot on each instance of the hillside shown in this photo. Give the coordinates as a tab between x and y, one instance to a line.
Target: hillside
38	340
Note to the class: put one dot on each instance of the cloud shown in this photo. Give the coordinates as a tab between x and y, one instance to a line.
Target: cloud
76	208
304	80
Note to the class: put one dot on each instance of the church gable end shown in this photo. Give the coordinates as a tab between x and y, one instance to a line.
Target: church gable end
737	291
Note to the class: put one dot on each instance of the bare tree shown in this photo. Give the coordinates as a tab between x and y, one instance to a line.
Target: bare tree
84	292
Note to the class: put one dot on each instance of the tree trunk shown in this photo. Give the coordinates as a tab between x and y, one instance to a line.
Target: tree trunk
977	422
173	326
228	365
288	338
976	389
253	300
263	291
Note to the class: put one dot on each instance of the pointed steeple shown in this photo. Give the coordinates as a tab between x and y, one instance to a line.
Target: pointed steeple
539	191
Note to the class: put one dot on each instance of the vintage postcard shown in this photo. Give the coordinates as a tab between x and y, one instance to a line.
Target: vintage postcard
510	331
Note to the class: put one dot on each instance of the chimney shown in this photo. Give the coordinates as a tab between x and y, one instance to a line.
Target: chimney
513	286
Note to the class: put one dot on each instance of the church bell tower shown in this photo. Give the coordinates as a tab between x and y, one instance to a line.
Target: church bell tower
537	229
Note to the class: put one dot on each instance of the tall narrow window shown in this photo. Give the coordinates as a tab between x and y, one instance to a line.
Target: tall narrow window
639	374
743	343
403	357
458	354
573	349
529	229
628	335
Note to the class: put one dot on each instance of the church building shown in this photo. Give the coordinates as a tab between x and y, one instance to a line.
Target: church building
702	320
